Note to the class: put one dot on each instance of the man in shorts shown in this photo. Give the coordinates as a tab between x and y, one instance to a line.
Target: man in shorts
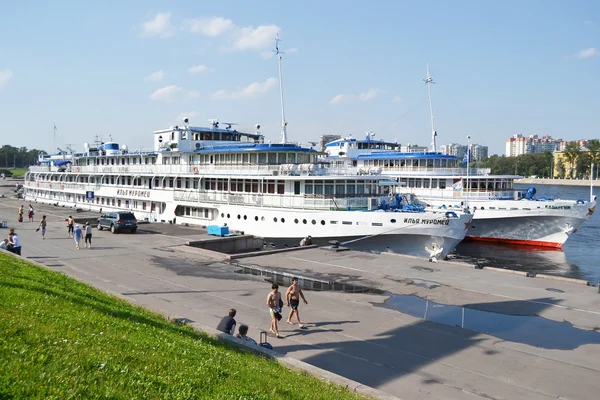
70	226
292	297
273	301
43	225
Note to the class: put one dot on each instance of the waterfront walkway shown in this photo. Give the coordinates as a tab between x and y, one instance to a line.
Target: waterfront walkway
350	334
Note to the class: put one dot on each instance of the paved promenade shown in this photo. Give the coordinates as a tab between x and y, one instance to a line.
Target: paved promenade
352	334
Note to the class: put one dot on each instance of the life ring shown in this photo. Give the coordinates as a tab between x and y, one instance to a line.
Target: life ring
580	202
195	170
451	214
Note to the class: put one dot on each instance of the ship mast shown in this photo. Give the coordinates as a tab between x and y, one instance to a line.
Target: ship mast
428	81
283	122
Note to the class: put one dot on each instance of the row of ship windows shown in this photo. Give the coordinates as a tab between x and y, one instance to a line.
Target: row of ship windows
304	221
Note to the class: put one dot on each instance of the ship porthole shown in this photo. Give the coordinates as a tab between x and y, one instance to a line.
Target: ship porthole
245	217
314	222
296	220
393	221
322	222
256	218
262	218
222	215
275	219
239	216
304	221
282	220
228	216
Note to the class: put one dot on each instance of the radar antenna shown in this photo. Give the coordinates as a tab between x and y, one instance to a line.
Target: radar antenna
428	81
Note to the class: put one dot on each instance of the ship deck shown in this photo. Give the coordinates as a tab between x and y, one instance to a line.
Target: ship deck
403	333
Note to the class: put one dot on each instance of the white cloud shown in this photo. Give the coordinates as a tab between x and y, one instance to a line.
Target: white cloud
587	53
5	76
252	90
241	37
156	76
197	69
213	26
365	96
368	95
397	99
167	93
159	26
249	38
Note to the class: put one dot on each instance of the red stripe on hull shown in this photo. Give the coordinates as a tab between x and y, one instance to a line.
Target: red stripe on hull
554	245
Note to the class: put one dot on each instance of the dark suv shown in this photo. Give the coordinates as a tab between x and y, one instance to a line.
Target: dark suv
118	221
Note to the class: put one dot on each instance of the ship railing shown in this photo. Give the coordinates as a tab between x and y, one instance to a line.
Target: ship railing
57	185
479	194
306	202
407	171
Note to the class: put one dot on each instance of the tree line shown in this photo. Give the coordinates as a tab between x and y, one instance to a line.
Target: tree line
18	157
575	164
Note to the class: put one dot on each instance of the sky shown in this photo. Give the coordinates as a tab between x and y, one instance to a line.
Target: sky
127	68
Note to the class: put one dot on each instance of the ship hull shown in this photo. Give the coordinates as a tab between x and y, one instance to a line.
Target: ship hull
527	222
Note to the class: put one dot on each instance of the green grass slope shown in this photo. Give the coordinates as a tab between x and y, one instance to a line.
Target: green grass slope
62	339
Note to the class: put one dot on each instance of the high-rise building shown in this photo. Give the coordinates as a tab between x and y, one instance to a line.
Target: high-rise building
454	149
324	139
413	148
518	144
478	152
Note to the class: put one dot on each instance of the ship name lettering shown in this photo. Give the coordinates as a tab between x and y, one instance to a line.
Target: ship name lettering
133	193
426	221
558	207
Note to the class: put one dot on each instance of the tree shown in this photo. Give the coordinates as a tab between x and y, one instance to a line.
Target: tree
560	168
572	153
594	155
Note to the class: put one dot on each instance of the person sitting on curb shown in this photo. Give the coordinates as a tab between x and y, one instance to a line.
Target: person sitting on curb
227	324
14	243
4	245
242	332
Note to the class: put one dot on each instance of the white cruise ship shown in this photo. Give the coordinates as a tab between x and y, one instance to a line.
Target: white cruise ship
501	214
219	176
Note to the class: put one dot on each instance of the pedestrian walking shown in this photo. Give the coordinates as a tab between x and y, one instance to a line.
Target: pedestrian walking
21	213
88	235
227	324
43	224
30	214
77	235
292	296
70	225
273	302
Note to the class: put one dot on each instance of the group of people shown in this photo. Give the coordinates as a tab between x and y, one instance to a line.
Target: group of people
275	304
12	243
30	213
77	233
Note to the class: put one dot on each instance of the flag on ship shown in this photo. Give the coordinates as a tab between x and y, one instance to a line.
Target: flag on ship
466	158
458	185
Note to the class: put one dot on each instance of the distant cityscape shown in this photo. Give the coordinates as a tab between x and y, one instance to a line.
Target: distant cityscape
516	145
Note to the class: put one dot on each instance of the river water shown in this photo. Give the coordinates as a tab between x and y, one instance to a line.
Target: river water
579	257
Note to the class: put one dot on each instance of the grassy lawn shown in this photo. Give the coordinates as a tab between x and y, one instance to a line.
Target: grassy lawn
62	339
18	172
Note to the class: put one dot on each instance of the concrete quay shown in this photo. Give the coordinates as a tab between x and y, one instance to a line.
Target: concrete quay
542	337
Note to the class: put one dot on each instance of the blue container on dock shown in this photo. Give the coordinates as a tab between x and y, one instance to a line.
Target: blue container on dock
218	230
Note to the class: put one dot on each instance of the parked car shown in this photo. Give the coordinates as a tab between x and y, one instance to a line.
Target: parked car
118	222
